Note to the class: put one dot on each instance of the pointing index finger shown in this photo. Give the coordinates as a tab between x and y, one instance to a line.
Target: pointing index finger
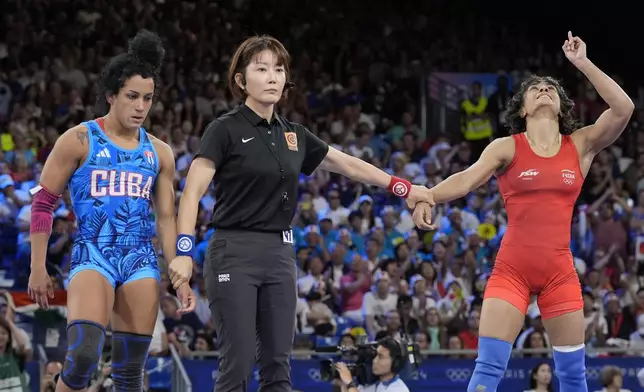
570	35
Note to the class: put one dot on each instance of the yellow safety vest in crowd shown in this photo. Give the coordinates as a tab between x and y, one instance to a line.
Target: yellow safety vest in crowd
476	127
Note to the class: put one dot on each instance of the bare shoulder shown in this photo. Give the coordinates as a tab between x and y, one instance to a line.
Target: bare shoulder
74	141
503	143
164	151
501	149
80	133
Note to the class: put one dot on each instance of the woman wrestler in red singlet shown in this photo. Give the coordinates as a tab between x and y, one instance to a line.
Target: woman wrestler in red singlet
541	168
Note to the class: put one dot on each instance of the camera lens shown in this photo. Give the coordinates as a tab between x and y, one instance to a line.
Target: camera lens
327	370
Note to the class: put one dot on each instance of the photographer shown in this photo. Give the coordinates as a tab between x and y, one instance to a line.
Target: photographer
389	361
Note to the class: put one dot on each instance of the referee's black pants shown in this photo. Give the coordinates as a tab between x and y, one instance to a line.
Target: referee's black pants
251	287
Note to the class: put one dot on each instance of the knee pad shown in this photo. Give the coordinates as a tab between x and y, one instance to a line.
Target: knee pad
570	368
85	346
129	353
491	363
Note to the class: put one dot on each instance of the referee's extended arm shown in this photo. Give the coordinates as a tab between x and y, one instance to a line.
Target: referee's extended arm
354	168
358	170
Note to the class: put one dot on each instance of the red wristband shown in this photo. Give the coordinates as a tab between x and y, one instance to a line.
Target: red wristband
399	187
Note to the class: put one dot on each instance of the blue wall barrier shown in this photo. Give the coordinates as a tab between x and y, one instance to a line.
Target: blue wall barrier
433	374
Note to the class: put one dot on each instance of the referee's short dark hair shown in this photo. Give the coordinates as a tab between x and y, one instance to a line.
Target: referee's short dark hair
244	55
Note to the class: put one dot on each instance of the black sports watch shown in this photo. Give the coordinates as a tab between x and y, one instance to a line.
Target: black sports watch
352	385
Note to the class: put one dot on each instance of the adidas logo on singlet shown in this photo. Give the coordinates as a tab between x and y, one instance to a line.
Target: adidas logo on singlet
105	153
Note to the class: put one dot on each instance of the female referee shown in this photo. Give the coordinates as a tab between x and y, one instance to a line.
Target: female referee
541	169
256	157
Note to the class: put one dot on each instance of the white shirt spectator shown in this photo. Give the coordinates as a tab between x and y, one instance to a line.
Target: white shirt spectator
305	283
301	309
413	169
396	385
405	222
156	344
637	338
338	216
360	152
202	308
600	320
320	203
430	303
338	271
621	390
373	305
469	221
24	216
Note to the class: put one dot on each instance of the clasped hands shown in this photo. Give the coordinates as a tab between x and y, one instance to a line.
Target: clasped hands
421	200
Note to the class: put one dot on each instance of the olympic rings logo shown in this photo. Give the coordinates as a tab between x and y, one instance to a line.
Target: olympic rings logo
458	375
593	372
569	181
315	375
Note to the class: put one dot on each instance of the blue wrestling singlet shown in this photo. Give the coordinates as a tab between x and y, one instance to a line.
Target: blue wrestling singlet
111	194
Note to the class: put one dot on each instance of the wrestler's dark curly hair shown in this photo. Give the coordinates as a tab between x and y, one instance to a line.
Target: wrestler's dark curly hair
144	58
567	122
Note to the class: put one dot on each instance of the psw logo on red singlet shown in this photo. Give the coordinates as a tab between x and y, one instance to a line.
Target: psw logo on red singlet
528	174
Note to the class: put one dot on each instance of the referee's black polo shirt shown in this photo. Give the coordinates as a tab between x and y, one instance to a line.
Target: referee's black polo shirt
257	168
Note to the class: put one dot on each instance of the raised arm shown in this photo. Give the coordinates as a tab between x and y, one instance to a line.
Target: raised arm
496	155
610	125
68	152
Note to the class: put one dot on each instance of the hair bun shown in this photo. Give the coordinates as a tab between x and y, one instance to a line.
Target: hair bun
148	48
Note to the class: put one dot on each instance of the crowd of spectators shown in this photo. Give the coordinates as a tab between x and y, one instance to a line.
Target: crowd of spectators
363	267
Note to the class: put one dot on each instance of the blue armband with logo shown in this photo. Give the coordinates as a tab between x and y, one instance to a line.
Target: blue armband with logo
185	245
